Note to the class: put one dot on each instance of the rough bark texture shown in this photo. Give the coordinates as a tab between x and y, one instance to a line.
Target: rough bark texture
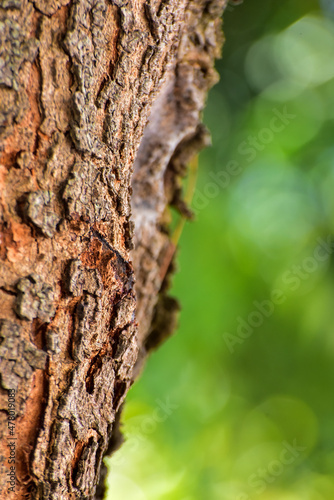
78	82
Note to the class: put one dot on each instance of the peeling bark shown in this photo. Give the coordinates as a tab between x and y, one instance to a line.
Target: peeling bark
100	107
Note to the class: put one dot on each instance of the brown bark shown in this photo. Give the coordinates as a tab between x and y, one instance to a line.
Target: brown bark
78	82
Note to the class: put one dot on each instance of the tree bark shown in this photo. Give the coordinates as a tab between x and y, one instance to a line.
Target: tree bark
83	285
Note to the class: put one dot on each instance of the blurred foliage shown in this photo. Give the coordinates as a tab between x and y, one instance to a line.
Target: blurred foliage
237	405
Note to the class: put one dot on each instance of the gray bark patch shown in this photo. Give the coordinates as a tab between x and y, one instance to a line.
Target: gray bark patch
35	299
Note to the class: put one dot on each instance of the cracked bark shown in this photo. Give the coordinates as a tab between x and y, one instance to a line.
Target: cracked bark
100	106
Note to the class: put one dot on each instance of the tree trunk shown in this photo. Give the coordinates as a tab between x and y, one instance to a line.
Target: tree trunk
78	82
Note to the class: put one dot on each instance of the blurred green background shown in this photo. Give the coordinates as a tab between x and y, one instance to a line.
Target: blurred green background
238	404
